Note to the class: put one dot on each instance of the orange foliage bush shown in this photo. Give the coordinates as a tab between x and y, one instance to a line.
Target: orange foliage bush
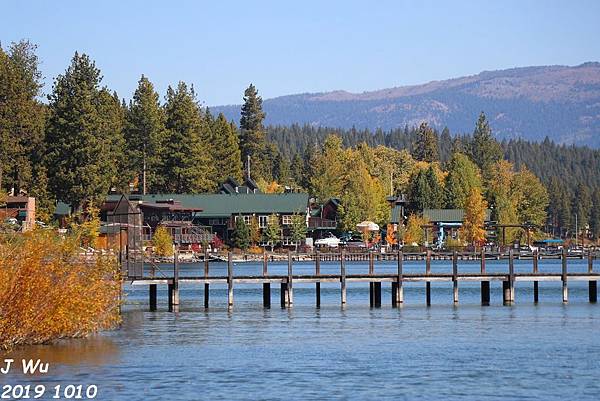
48	290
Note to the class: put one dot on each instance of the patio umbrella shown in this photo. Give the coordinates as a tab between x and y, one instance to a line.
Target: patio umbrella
367	226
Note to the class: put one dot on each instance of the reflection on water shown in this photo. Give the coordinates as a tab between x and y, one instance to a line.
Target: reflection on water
94	350
544	351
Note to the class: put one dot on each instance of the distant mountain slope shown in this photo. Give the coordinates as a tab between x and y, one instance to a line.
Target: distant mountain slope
560	102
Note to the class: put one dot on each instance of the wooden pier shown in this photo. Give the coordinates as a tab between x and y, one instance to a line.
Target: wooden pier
375	280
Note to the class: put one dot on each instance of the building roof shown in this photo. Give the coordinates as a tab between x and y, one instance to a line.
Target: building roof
222	205
397	217
449	215
230	186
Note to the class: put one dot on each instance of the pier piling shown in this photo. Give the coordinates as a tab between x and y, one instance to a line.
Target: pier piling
371	284
283	295
266	286
152	291
317	284
485	285
397	291
536	294
428	283
455	277
229	280
565	289
343	277
593	284
174	290
290	290
206	285
511	274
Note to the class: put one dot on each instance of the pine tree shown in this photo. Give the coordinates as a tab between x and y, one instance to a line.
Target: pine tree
241	234
426	146
582	205
78	137
226	154
188	166
436	191
111	119
146	136
559	206
296	169
21	115
595	215
485	150
252	133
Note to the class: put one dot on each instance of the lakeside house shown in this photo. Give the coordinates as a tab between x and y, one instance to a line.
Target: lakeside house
446	223
193	219
20	208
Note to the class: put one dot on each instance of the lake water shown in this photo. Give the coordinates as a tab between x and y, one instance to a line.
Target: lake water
525	351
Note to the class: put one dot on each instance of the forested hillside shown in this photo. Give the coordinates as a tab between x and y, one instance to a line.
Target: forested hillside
560	102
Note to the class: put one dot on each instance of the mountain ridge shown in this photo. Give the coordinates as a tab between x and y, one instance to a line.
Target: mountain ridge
561	102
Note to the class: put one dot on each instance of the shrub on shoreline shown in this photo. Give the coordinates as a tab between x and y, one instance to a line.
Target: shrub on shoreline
49	290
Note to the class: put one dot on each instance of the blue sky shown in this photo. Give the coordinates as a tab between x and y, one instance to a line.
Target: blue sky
287	47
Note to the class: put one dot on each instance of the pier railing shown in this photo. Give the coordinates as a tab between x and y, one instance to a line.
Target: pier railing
397	279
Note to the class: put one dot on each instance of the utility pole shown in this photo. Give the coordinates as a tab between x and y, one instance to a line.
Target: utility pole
248	166
576	232
144	172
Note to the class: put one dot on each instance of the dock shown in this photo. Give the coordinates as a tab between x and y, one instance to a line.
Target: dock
397	279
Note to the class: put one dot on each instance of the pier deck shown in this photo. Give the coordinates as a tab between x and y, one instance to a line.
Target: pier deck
397	279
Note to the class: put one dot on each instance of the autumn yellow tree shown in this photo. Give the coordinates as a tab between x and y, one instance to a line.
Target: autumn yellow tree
255	233
414	233
474	218
363	198
163	242
89	229
329	169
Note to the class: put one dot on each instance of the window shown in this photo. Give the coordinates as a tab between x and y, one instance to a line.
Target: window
287	220
263	221
247	219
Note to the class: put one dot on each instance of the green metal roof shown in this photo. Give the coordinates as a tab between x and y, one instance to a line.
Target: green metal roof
449	215
223	205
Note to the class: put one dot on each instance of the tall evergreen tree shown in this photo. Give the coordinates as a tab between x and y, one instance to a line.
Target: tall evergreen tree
188	166
241	234
426	146
21	116
78	137
252	133
595	215
436	190
146	137
111	118
485	150
582	205
559	206
226	154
